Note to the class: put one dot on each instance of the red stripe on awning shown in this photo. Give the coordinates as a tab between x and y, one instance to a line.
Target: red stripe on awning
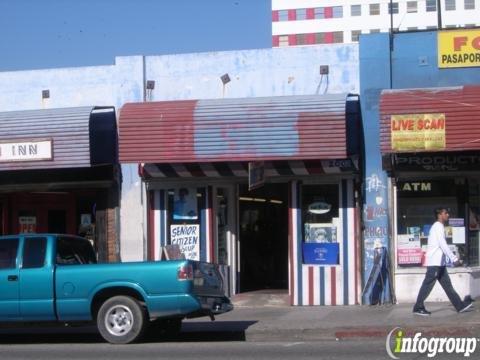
461	106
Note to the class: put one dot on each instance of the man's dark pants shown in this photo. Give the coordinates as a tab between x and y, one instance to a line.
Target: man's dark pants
433	274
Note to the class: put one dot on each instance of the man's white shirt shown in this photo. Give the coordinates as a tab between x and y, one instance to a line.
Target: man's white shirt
438	247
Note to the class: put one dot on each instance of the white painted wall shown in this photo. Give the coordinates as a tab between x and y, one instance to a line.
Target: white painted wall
407	285
254	73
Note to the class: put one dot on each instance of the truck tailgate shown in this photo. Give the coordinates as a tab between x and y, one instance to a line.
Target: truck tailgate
207	280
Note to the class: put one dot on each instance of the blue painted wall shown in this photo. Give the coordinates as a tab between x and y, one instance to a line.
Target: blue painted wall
414	65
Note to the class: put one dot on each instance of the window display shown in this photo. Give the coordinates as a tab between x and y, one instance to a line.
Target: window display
320	224
416	202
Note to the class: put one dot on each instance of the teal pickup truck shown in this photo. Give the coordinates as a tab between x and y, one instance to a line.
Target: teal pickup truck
56	278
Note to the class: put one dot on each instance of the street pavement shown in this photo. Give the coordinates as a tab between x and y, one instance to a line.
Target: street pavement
257	332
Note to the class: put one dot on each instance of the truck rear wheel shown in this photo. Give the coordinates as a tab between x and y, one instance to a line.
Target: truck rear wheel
121	320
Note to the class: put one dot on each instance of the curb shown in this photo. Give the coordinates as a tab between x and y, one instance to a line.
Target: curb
363	333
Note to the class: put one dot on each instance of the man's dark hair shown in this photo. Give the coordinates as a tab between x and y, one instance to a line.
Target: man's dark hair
438	211
183	191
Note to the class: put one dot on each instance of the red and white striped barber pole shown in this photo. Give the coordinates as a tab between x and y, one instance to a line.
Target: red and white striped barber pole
324	284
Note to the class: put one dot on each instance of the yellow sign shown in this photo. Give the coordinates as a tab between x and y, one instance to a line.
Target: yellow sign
416	132
459	48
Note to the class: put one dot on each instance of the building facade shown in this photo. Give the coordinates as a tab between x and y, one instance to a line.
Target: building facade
59	174
306	22
290	224
222	215
420	101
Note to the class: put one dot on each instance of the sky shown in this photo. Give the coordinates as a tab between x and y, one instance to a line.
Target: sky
39	34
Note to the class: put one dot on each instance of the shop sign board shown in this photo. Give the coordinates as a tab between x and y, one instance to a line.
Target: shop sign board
417	132
458	48
26	150
187	237
437	162
321	253
256	174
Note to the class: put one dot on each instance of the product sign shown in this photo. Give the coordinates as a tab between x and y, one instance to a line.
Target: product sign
28	150
416	132
437	162
459	48
187	237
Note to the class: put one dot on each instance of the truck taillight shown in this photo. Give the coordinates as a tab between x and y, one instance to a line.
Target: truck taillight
185	272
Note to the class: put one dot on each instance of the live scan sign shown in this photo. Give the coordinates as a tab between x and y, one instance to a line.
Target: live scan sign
459	48
27	150
413	132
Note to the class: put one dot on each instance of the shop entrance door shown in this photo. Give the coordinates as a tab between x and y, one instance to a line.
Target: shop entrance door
263	226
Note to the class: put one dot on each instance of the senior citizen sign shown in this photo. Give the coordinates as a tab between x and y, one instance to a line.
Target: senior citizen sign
413	132
187	237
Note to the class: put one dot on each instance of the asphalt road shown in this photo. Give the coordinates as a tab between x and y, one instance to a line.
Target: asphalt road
85	343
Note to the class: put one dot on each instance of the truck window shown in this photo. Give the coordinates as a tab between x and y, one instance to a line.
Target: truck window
74	251
8	253
34	252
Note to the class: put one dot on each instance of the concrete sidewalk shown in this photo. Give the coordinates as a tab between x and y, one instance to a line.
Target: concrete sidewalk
277	323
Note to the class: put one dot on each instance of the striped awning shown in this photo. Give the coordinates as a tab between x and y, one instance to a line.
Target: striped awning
247	129
457	107
240	169
78	137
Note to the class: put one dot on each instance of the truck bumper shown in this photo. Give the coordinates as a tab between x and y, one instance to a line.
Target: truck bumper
208	306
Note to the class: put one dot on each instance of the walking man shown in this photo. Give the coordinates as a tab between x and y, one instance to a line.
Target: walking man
436	267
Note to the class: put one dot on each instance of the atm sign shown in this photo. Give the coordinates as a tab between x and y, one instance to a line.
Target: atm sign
459	48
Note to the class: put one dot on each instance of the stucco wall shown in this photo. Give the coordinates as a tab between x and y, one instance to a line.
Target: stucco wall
253	73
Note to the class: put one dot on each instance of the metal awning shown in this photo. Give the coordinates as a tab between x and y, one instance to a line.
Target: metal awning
246	129
459	107
57	138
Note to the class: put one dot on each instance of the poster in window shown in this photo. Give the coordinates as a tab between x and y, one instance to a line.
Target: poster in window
320	233
187	238
409	250
185	204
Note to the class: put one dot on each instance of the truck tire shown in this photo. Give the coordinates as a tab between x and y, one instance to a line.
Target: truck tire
121	320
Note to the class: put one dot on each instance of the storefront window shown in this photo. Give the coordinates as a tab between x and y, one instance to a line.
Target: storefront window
320	209
184	204
417	201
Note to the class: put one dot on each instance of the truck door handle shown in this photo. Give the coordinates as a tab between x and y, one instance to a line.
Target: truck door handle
12	278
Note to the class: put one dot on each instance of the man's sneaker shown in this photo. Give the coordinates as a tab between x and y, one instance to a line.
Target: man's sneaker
422	312
466	308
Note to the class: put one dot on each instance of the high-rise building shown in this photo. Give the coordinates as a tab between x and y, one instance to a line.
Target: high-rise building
305	22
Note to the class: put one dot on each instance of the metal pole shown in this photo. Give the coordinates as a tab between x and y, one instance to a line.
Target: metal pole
439	14
391	43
